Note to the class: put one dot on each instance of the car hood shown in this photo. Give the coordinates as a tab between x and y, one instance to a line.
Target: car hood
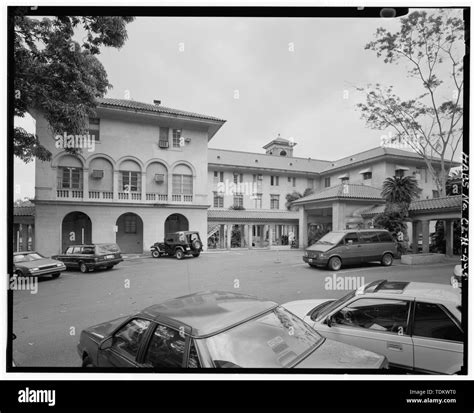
301	308
335	355
103	330
38	263
320	248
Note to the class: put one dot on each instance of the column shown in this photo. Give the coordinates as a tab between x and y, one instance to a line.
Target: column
425	229
303	228
116	185
249	235
414	236
24	237
449	225
270	235
85	183
229	236
143	187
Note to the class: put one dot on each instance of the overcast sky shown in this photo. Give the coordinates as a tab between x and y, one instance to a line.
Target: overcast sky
307	94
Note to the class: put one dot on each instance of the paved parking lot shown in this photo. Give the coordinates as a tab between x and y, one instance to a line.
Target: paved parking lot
48	323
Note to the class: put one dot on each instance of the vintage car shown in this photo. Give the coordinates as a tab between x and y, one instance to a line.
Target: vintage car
33	264
91	256
178	244
217	329
416	325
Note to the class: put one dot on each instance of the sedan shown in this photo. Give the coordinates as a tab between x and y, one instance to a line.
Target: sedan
217	329
33	264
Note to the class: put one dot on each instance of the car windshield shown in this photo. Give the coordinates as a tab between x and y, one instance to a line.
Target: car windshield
323	311
331	238
107	248
27	257
275	339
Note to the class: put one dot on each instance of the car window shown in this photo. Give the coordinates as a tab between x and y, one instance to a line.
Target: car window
351	238
166	348
88	250
385	237
77	250
193	359
368	237
69	250
127	340
375	314
20	258
107	248
432	322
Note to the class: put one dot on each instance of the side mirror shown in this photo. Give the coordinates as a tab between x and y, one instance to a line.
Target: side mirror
106	343
329	321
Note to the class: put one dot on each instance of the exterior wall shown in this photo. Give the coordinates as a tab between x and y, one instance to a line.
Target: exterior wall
49	222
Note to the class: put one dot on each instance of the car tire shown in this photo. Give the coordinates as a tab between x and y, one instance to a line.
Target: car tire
83	267
196	254
109	267
87	362
335	264
155	254
387	260
55	275
313	265
179	254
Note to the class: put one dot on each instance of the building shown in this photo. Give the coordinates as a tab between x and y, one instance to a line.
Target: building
142	174
147	170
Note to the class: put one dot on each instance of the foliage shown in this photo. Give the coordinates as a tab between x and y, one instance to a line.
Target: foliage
57	75
295	195
431	43
399	192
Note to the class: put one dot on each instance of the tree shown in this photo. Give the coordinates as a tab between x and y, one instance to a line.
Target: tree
398	193
296	195
430	123
59	76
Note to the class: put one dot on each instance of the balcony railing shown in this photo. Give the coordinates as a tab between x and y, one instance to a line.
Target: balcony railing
181	198
156	197
101	195
69	193
134	196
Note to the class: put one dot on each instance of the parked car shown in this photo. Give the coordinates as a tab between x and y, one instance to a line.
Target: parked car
456	278
178	244
338	248
217	330
91	256
33	264
417	326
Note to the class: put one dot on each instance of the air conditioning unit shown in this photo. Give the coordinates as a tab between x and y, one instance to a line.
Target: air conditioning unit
187	140
97	174
159	178
163	144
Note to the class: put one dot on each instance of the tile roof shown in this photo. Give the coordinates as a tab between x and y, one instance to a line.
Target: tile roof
350	191
24	210
246	160
150	107
251	214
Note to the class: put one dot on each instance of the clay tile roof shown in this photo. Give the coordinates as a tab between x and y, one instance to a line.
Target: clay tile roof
343	191
24	211
251	215
447	202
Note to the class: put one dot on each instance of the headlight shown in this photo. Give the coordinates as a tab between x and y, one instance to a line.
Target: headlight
59	265
35	269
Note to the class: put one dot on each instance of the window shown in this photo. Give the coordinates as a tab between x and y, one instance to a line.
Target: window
238	200
385	237
131	181
166	348
327	182
88	250
130	224
400	173
274	180
94	128
435	193
69	250
177	138
70	178
77	250
164	133
375	314
344	181
218	176
218	200
351	238
311	183
431	321
193	359
367	175
274	201
127	340
289	179
258	201
182	184
368	237
258	177
294	181
238	178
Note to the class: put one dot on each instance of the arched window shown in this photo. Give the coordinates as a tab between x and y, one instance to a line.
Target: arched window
182	180
69	173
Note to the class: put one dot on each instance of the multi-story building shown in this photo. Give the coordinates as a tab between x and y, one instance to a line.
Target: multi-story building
144	173
147	170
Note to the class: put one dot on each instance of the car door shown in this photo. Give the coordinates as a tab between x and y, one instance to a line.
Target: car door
125	346
76	256
66	257
376	324
437	339
351	250
167	348
370	246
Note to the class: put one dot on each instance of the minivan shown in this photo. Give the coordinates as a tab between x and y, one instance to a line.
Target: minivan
338	248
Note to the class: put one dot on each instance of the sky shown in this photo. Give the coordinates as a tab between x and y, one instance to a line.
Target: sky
293	76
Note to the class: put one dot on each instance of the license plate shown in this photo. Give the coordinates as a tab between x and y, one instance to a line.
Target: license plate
110	256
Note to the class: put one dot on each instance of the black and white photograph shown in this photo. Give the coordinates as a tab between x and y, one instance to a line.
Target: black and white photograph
213	191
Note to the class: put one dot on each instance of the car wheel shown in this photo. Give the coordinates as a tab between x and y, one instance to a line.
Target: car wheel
87	362
312	265
179	254
196	254
335	264
155	254
83	267
387	260
109	267
56	275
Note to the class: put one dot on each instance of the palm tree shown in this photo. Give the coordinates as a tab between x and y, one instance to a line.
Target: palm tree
399	192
